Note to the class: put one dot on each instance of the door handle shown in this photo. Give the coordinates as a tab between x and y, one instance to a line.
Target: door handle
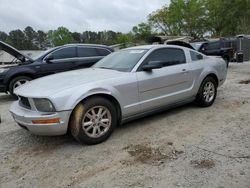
185	71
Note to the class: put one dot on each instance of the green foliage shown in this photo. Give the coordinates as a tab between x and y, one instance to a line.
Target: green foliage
142	32
60	36
182	17
228	17
197	18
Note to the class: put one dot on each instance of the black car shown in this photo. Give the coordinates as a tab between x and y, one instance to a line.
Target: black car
58	59
221	48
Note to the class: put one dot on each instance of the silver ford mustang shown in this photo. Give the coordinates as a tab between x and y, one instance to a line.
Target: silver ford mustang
127	84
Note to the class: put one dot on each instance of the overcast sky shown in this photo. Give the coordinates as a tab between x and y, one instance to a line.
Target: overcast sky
76	15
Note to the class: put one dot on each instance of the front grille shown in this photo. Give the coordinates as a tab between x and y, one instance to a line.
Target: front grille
24	102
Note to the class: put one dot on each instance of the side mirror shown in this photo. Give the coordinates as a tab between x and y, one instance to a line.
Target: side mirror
49	58
199	56
152	65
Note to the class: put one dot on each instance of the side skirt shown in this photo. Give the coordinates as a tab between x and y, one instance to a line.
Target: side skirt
157	110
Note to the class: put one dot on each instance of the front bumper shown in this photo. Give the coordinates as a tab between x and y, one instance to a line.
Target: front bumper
24	118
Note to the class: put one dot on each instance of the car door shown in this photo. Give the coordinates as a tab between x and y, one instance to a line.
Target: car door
60	60
166	85
212	48
88	56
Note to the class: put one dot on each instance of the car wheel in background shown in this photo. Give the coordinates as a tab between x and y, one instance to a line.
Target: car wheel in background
16	82
207	92
93	120
226	59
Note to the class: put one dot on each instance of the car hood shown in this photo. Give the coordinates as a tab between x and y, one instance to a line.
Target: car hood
49	85
14	52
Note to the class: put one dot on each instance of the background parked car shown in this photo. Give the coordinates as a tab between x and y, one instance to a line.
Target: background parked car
58	59
221	48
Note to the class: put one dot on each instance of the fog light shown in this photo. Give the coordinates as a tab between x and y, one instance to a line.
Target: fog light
46	121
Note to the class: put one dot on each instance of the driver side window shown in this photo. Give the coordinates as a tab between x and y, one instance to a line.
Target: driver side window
64	53
167	57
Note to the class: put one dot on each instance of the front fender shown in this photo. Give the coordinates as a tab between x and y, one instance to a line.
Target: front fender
70	100
17	72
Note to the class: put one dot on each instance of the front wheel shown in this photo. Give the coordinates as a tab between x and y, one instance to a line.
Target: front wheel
17	82
207	92
93	120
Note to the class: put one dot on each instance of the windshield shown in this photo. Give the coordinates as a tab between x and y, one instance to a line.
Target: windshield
43	53
123	60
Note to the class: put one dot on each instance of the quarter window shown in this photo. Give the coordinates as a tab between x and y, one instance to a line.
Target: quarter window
64	53
103	52
167	56
87	52
195	56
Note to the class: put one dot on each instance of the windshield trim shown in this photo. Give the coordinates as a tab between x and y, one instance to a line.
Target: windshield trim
127	49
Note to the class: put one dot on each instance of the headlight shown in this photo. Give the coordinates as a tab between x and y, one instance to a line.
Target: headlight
4	70
44	105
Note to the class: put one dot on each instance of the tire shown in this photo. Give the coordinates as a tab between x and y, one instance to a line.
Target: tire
14	81
83	121
226	59
204	99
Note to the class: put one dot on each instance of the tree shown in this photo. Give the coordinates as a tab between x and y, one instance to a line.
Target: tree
42	41
3	36
228	17
182	17
142	32
60	36
77	37
30	38
16	38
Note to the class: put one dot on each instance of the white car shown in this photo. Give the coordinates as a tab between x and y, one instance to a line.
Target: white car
127	84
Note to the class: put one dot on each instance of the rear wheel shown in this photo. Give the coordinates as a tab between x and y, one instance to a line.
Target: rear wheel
207	92
93	120
17	82
226	59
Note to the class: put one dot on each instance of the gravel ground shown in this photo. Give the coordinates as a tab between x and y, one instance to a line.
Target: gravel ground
183	147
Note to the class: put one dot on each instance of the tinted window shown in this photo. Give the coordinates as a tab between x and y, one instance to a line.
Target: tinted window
103	52
167	56
212	46
87	52
195	56
65	53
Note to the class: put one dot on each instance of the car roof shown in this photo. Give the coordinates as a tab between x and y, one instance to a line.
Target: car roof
90	45
149	47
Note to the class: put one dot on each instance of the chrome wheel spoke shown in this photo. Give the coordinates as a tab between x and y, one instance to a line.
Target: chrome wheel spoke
99	112
103	125
89	115
93	112
104	120
96	121
209	91
90	127
19	83
87	124
94	132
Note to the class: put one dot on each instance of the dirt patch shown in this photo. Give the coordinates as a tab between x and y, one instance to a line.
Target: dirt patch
204	163
245	81
150	155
